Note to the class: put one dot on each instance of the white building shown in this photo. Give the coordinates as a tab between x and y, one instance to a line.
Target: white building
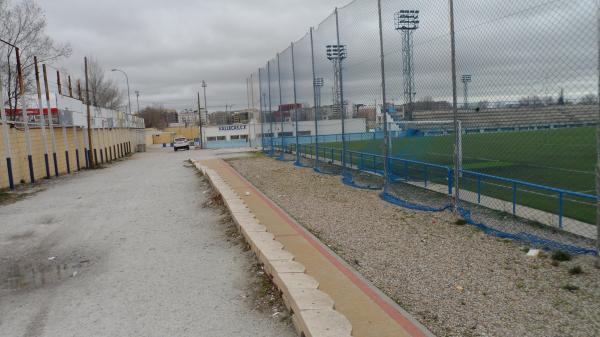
253	131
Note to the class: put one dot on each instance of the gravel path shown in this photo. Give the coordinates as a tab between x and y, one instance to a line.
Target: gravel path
456	280
127	250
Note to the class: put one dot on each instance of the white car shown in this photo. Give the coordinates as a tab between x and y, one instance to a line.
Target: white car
181	143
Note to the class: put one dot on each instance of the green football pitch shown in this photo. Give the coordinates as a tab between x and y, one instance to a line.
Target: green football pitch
559	158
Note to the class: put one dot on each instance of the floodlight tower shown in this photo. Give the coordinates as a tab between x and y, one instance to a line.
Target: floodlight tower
336	54
407	21
466	79
318	84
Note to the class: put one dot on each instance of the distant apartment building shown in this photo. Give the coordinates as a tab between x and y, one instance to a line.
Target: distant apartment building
218	118
188	117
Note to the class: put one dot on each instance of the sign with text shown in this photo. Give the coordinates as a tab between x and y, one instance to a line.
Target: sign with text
233	127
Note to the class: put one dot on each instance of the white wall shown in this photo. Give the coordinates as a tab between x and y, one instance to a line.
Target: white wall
326	127
253	130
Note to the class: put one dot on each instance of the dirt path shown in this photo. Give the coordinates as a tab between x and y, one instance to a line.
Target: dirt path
126	251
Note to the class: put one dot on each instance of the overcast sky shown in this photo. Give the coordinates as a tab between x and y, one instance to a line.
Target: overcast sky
169	47
512	48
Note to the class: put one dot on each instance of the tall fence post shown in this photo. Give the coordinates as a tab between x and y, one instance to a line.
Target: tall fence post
341	88
316	98
295	107
6	138
270	107
63	123
454	111
91	149
42	119
262	112
386	139
281	134
598	145
50	121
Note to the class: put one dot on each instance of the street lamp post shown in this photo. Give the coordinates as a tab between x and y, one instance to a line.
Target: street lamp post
137	97
127	79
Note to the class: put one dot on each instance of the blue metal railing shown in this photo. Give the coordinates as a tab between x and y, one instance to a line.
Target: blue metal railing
373	163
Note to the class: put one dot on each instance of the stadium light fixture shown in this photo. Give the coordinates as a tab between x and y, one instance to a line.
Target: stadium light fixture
466	79
407	19
336	52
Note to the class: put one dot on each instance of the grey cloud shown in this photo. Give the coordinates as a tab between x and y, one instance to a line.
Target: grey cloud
169	47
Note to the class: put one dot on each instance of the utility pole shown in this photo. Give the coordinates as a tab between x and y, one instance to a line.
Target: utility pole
58	85
89	116
70	86
205	109
79	93
200	121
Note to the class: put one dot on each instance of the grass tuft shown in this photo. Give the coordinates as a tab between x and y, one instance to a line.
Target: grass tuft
560	256
577	270
460	222
570	287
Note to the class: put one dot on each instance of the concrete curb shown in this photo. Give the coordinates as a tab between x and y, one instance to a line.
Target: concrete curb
313	311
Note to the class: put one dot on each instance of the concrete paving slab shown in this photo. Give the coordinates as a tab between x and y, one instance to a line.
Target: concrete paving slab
369	311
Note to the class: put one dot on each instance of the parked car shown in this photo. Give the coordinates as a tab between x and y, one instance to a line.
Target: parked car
181	143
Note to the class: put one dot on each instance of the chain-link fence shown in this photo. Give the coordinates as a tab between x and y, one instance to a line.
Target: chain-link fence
488	109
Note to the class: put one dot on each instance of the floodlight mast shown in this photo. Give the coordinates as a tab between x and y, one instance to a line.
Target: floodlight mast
336	54
465	79
407	21
317	84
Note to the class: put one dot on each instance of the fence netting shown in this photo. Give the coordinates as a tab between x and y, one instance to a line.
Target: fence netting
517	158
528	105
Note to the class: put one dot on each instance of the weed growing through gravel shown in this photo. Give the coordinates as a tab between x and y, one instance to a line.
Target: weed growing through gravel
461	222
576	270
570	287
560	256
264	295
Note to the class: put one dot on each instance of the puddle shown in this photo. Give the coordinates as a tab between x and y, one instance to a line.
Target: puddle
32	276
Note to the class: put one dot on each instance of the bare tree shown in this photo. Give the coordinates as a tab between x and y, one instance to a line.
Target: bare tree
588	99
157	116
104	92
24	24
